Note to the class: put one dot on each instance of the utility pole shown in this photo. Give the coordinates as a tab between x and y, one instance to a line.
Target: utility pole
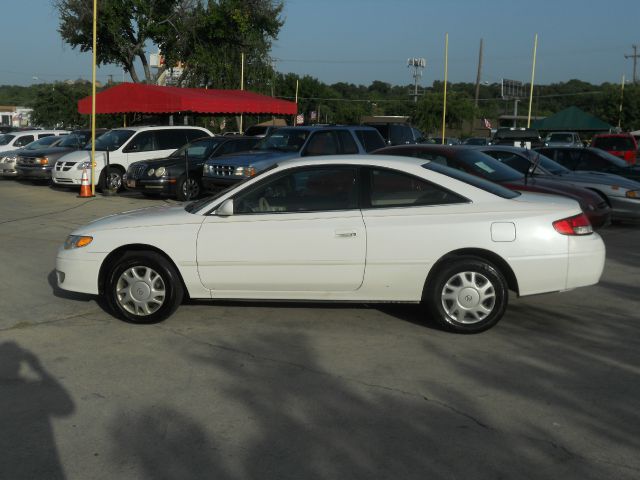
418	65
479	75
635	57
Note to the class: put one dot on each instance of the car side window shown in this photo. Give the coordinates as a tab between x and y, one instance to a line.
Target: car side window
349	145
192	134
22	141
370	139
567	158
142	142
390	188
303	190
322	143
170	139
591	161
512	160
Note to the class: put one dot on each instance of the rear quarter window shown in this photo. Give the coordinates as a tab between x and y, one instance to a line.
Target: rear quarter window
370	140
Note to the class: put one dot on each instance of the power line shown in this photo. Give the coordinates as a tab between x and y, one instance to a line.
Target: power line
635	57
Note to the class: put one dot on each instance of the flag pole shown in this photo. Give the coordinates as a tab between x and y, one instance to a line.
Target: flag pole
93	100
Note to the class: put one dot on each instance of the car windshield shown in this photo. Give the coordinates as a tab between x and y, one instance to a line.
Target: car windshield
482	165
473	180
614	143
561	137
112	140
43	142
6	138
284	140
549	165
199	148
75	140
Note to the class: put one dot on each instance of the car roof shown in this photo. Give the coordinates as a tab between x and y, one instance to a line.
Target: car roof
158	127
375	160
327	127
34	132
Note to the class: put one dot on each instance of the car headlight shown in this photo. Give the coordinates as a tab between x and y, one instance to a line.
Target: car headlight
632	194
244	171
8	158
42	161
151	171
161	172
83	165
77	241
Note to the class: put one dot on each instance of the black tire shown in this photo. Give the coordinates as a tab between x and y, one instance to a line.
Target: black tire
467	295
188	188
130	286
114	182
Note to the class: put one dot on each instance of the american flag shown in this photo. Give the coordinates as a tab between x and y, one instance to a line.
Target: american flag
487	123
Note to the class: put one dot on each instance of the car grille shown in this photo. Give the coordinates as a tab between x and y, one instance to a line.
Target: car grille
26	160
218	170
136	171
64	166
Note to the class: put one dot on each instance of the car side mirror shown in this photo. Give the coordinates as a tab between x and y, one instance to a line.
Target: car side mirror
225	209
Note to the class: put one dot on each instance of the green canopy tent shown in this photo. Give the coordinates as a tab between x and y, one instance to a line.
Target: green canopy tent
571	119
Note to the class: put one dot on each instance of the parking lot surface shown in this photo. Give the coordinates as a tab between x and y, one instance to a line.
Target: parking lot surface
305	391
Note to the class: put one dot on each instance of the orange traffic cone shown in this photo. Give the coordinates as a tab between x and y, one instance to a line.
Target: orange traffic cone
85	188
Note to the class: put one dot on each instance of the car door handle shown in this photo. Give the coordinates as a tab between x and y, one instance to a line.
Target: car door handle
345	233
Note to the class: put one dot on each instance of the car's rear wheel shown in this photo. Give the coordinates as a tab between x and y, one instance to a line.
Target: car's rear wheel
467	295
143	287
188	188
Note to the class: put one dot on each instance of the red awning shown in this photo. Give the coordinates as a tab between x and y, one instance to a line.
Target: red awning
142	98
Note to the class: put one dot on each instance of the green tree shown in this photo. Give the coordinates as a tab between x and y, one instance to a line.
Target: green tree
124	28
56	105
212	37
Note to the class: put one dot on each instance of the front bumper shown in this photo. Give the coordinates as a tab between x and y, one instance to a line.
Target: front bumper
625	208
217	183
155	185
8	169
78	273
35	173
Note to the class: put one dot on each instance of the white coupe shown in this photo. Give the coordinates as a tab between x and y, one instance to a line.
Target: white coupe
349	228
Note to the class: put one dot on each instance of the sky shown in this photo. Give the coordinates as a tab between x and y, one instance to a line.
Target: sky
360	41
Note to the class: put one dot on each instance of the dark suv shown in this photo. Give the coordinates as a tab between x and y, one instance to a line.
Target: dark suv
518	137
397	133
286	143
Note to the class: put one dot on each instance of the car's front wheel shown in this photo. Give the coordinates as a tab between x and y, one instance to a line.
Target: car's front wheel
143	287
112	181
467	295
188	188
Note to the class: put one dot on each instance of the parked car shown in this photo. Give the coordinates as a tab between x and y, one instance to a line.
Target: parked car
477	141
477	163
260	131
358	228
18	139
447	141
8	166
563	139
621	145
122	147
591	159
286	143
621	194
517	137
395	133
37	163
167	175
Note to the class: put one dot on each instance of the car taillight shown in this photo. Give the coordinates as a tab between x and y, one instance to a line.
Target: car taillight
576	225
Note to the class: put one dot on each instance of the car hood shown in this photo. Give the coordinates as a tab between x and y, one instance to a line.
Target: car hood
254	156
145	217
39	152
602	178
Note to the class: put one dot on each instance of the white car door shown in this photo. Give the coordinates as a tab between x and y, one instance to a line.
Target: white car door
298	231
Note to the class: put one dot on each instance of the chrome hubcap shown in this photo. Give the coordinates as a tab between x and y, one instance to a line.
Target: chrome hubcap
140	291
468	297
114	181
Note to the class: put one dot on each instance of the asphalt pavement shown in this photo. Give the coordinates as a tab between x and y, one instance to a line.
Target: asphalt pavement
306	391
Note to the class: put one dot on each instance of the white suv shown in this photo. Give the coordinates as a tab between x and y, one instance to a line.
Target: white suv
12	141
123	146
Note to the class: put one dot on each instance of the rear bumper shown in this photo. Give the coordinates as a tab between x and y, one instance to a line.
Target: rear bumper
586	260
